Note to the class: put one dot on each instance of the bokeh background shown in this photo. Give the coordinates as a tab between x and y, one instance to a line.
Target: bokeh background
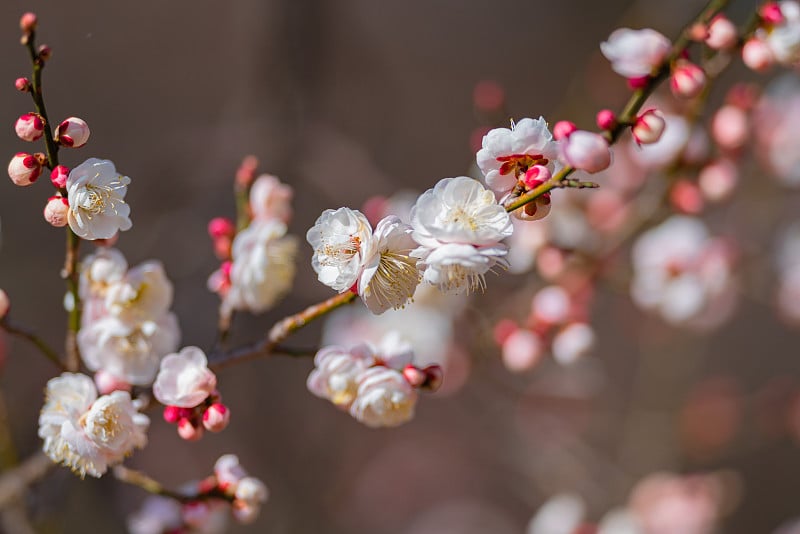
344	100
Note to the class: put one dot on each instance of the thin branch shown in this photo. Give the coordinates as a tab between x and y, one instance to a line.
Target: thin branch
16	481
31	337
150	485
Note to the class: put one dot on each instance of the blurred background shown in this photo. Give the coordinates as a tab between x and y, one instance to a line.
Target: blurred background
346	100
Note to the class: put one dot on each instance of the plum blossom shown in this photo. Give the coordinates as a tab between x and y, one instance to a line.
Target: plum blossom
459	226
682	273
336	371
156	516
24	169
87	433
665	503
143	293
635	53
249	495
776	121
99	270
263	266
95	191
270	199
383	398
783	39
507	153
586	151
339	238
184	379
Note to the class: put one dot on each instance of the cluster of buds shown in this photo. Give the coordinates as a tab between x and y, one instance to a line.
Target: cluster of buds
777	39
212	415
556	323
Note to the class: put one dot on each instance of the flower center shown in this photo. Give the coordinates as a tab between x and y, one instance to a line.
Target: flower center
457	276
336	252
520	163
394	280
96	198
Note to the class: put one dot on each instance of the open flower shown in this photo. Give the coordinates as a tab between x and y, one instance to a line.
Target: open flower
184	379
635	53
144	293
459	225
384	398
271	199
96	207
339	238
87	433
336	371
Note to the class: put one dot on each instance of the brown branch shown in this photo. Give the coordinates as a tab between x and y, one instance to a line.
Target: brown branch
31	337
16	481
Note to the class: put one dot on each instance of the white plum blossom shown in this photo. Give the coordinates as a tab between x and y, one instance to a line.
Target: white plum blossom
783	39
263	266
96	207
683	274
507	153
777	128
143	293
228	471
87	433
336	371
250	494
635	53
156	516
572	343
270	199
339	238
184	379
128	351
459	225
384	398
390	276
99	271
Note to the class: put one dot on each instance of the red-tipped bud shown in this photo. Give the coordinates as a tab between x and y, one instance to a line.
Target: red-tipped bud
698	32
688	80
246	172
536	176
29	127
216	417
648	127
73	132
24	169
223	248
606	119
730	127
45	52
22	84
226	268
55	211
434	376
196	514
5	304
414	376
771	13
59	176
503	329
722	34
563	129
27	22
188	430
221	227
107	383
638	83
757	55
172	414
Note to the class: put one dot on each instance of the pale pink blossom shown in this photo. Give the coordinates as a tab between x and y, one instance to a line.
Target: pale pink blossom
339	239
776	119
249	496
228	471
722	33
143	294
216	417
56	210
730	127
572	343
383	399
718	180
561	514
156	516
665	503
757	54
687	80
96	191
184	379
586	151
635	53
783	39
669	147
271	199
336	371
551	305
522	350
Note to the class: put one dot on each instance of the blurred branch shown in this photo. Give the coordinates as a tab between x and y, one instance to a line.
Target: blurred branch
150	485
30	336
15	482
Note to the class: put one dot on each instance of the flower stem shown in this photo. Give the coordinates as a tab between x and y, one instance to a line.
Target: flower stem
633	105
150	485
39	343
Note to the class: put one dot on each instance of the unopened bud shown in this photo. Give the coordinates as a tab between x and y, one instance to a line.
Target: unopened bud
686	197
216	417
246	172
434	376
722	34
107	383
717	180
536	176
688	80
606	119
649	127
45	52
521	350
27	22
55	211
223	248
638	82
196	514
414	376
730	127
221	227
188	430
59	176
757	55
563	129
771	13
22	84
5	304
24	169
29	127
586	151
172	414
73	132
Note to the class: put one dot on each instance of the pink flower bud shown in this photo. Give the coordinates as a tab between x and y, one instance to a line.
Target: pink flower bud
414	376
536	176
244	512
722	34
717	180
29	127
698	32
58	176
638	82
434	376
771	13
107	383
173	413
221	227
551	305
503	329
730	127
522	350
189	431
27	22
563	129
5	304
688	80
73	132
246	172
223	248
24	169
216	417
586	151
686	197
22	84
55	211
573	343
648	127
757	55
606	119
45	52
